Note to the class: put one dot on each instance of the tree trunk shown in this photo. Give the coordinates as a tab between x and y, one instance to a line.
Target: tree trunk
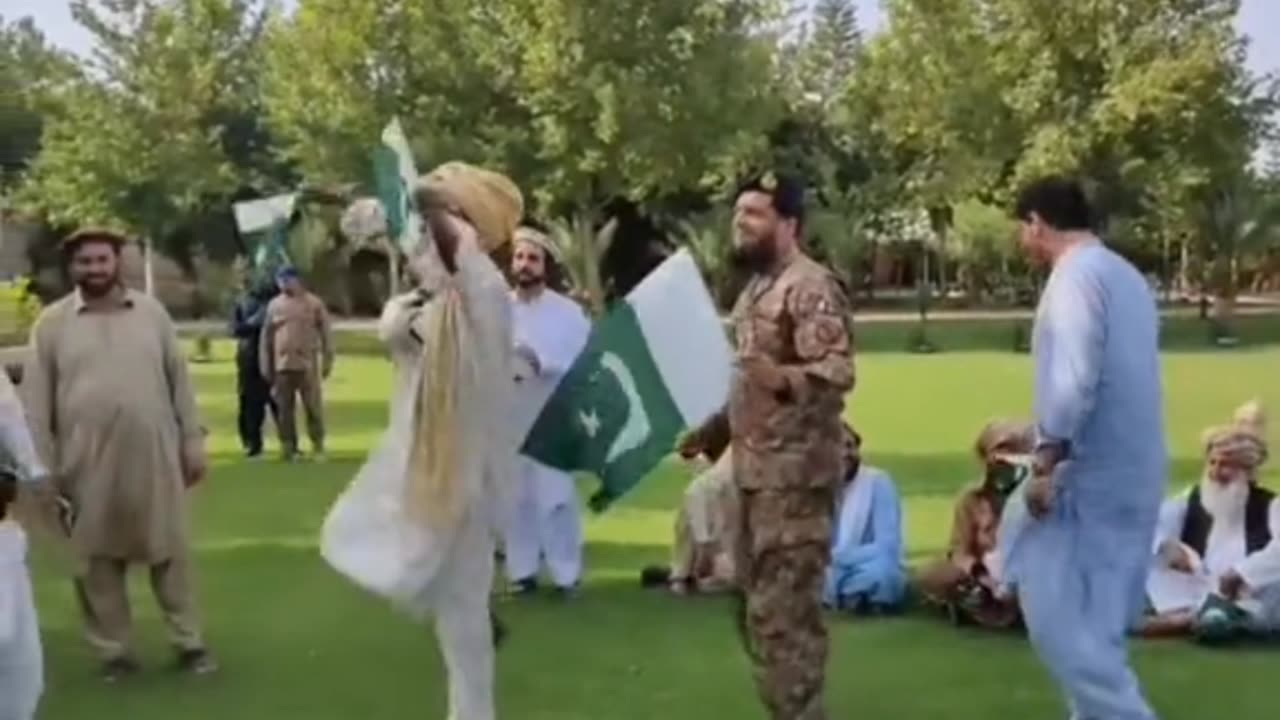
148	274
1224	296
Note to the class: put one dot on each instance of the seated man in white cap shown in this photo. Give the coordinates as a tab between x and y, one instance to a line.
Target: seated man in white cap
1217	555
550	332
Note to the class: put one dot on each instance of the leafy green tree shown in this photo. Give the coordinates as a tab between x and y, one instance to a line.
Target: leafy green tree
141	140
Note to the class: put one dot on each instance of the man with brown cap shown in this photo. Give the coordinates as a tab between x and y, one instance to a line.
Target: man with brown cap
419	523
1218	544
965	583
795	365
114	416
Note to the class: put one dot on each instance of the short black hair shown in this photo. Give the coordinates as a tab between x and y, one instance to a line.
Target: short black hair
1058	201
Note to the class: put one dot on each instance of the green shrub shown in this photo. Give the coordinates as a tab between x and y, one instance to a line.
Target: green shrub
19	307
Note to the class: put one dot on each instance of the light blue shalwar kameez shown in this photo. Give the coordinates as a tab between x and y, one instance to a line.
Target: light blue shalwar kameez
1080	571
868	560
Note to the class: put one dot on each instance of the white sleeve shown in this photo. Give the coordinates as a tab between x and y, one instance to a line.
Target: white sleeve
12	567
1262	569
1173	513
15	435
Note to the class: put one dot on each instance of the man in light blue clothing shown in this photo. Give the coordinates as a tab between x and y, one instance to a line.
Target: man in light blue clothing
1079	564
868	561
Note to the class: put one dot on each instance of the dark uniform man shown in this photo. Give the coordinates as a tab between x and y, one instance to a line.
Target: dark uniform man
254	392
795	366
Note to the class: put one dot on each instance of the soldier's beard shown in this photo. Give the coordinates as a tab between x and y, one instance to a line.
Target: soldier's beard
755	255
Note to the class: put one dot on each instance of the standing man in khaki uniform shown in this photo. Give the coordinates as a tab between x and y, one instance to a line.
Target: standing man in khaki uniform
115	419
795	366
296	354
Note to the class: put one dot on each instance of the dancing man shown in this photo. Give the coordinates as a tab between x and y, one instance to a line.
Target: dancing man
1100	460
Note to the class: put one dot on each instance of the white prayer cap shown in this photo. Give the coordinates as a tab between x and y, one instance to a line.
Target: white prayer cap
541	239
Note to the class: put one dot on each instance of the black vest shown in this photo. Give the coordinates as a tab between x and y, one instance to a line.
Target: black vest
1257	525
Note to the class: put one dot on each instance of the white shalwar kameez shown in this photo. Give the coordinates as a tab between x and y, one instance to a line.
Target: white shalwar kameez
546	522
370	535
1079	572
21	654
1226	551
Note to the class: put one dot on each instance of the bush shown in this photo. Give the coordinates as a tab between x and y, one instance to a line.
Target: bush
19	307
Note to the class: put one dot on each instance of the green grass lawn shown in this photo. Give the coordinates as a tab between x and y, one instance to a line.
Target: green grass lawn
298	642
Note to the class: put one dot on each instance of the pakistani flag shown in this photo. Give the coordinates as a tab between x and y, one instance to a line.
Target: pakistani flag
654	366
394	177
269	219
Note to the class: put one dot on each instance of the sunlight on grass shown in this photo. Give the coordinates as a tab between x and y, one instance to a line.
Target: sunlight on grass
299	643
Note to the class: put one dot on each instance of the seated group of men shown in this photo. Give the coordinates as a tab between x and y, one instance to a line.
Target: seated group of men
1215	568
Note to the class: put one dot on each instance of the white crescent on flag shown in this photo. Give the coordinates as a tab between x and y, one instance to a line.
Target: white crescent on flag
635	431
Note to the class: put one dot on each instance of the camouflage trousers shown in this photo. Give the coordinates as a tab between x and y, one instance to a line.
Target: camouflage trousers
783	553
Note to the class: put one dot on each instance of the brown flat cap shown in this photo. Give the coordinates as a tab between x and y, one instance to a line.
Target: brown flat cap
100	234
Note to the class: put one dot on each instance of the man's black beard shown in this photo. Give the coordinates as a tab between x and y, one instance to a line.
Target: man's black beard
529	282
754	259
97	288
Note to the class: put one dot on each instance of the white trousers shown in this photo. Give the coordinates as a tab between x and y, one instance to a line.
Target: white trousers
545	525
462	620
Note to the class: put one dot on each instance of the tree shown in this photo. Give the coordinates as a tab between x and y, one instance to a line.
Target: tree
582	250
828	51
31	74
1239	218
142	142
983	242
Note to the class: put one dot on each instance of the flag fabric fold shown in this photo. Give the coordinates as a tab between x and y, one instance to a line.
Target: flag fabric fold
656	364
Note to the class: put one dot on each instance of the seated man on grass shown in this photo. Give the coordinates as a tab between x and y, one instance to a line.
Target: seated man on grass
1217	555
966	583
868	574
707	522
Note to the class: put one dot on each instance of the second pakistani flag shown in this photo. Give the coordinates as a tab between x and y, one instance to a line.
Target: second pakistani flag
655	365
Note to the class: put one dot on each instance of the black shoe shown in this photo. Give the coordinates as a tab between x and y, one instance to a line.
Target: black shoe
117	669
566	592
655	576
253	453
197	662
525	587
499	630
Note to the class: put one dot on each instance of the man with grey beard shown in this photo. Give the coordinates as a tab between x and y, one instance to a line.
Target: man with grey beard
1217	568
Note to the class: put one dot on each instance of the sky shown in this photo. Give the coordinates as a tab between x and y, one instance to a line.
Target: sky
1256	17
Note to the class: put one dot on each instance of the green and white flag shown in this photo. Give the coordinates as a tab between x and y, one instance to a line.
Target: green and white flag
655	365
267	218
394	177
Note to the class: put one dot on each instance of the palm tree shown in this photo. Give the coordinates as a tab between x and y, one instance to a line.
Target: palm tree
582	250
1238	219
707	236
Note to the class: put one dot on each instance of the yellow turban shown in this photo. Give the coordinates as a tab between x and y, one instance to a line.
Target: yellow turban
1010	436
490	201
1244	441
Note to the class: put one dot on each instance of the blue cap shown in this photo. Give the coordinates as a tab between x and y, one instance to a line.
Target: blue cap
286	273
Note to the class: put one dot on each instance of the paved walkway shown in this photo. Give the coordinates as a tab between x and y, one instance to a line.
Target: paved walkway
890	316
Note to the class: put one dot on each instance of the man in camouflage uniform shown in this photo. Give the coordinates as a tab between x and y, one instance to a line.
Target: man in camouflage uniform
795	366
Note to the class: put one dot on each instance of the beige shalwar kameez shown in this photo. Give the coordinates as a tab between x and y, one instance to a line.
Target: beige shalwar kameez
113	415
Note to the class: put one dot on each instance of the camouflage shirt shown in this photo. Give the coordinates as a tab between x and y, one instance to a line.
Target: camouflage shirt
798	317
